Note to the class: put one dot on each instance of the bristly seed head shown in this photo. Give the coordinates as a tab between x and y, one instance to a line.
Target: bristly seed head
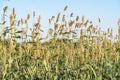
65	8
99	20
13	12
77	18
5	9
28	16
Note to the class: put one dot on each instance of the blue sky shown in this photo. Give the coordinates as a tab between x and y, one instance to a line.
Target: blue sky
107	10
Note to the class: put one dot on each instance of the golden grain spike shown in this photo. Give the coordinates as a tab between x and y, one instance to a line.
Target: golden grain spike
77	18
50	31
11	17
25	21
108	30
39	18
99	20
61	27
58	16
63	18
49	21
37	25
83	19
52	17
34	14
71	15
11	23
90	22
78	25
21	21
65	8
111	32
18	23
55	26
13	11
86	23
5	9
82	59
24	31
71	23
97	27
28	16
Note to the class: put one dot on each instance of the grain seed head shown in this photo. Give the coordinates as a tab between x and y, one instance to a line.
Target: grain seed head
65	8
5	9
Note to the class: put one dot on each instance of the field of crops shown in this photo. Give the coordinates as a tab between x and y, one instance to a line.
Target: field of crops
74	49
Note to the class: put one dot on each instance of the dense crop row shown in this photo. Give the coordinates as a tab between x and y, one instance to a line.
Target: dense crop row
76	49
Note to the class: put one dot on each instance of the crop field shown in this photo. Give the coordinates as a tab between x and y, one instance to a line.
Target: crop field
73	49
